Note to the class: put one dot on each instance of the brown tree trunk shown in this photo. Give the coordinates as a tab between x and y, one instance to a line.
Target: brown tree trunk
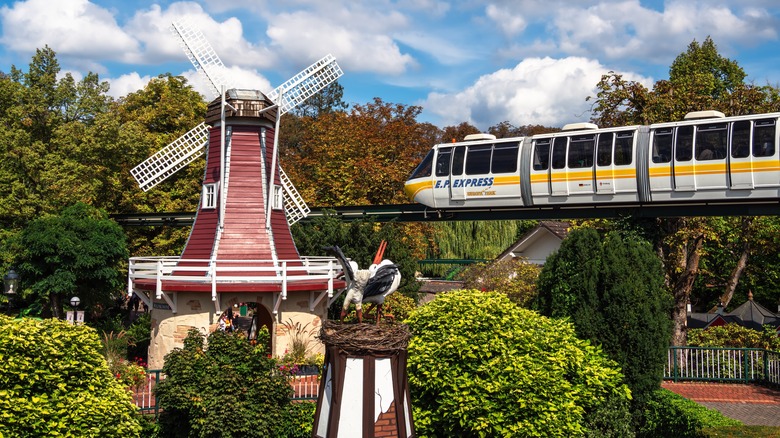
681	290
55	302
736	273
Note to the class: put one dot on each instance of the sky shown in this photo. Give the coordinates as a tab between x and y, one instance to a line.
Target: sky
478	61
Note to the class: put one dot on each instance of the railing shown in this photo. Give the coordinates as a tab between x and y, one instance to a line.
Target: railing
214	272
748	365
305	384
143	395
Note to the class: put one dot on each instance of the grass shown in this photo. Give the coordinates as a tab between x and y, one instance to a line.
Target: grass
742	432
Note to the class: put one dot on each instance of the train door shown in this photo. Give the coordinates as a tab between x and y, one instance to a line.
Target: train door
683	172
540	167
623	159
457	191
660	169
442	170
605	171
766	167
559	185
710	162
740	158
580	164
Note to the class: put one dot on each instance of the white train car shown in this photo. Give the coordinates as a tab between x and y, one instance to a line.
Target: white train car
705	157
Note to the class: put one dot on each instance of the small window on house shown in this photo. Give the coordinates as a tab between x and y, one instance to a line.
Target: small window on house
278	201
209	196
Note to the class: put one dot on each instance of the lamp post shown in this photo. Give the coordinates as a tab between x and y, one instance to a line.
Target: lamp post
75	316
10	285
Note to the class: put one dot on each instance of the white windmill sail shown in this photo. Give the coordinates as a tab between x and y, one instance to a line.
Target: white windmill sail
305	84
202	56
171	158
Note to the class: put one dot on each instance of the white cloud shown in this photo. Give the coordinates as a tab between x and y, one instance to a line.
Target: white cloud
75	28
543	91
306	36
510	23
126	84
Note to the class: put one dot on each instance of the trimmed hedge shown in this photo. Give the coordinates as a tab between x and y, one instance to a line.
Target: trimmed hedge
668	414
54	382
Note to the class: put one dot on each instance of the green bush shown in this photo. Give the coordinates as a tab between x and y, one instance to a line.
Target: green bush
479	365
227	388
668	414
298	420
736	336
55	382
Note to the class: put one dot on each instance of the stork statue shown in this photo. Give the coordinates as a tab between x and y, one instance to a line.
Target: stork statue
370	285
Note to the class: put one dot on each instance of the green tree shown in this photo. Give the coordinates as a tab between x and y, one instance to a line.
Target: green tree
54	382
613	292
479	365
226	388
78	252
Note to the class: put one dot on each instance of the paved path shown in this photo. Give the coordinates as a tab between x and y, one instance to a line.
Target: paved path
751	404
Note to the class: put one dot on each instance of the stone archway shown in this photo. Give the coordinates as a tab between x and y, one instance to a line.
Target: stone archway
261	317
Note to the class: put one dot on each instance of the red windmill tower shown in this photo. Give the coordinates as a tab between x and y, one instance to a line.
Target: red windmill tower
240	249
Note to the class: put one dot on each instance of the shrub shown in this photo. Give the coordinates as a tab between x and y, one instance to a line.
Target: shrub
513	277
55	382
228	388
612	289
479	365
736	336
668	414
298	420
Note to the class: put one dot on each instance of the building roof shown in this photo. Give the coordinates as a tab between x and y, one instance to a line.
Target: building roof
750	314
544	232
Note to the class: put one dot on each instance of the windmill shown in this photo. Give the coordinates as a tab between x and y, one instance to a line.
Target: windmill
247	202
193	144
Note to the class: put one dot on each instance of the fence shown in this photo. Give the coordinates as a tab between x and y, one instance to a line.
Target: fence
305	384
748	365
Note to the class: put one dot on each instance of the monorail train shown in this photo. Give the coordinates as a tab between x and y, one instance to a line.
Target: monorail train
704	157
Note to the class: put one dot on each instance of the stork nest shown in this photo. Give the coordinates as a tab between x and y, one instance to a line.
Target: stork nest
365	338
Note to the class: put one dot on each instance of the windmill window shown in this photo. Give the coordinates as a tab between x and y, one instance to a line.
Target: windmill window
278	201
209	196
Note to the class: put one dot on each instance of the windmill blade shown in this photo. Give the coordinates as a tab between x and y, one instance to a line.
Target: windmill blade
171	158
202	56
294	206
305	84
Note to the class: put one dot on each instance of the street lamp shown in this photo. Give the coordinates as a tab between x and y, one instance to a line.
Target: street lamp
11	282
75	301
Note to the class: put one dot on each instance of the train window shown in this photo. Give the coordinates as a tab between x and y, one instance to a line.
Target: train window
711	142
541	154
457	160
443	162
684	145
764	138
425	167
505	157
559	153
662	145
740	139
478	159
604	149
581	151
624	148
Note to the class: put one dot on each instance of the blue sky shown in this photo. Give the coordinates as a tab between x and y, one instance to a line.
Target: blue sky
478	61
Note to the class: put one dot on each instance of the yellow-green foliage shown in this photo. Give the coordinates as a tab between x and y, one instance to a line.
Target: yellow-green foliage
514	277
736	336
54	382
480	366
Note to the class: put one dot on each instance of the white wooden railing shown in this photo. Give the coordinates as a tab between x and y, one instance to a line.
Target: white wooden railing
723	364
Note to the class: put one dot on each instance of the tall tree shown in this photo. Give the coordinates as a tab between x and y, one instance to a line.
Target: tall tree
612	290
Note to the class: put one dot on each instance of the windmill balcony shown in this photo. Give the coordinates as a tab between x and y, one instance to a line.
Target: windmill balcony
174	274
